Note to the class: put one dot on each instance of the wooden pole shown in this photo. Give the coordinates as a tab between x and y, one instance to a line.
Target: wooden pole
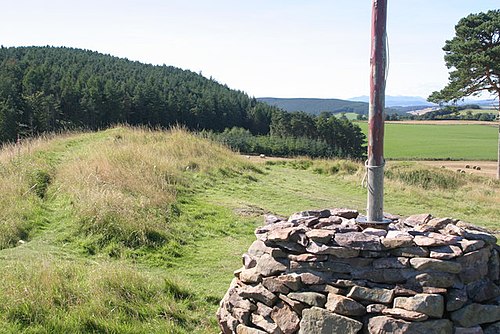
378	64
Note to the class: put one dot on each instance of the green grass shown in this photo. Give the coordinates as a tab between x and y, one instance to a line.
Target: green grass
122	237
439	142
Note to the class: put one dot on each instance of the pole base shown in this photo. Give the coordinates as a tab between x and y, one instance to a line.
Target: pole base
364	223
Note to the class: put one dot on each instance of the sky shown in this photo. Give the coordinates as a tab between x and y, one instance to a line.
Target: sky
267	48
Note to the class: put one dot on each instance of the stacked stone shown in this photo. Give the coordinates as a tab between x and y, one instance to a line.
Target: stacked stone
322	272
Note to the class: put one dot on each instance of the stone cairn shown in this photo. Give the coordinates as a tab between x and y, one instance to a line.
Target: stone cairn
322	272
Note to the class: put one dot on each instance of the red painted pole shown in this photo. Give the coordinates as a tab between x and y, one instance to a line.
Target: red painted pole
378	64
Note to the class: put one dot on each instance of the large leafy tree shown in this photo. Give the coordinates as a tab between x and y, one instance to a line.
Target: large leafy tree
473	56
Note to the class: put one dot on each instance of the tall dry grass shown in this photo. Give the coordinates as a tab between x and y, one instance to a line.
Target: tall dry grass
124	188
21	166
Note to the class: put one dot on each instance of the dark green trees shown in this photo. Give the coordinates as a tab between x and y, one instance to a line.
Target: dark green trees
48	89
473	56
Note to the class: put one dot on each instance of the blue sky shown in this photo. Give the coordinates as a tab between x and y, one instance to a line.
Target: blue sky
279	48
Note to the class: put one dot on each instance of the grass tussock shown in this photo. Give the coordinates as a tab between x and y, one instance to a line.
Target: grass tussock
125	188
68	297
24	179
424	177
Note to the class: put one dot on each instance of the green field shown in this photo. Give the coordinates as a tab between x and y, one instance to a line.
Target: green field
439	142
137	231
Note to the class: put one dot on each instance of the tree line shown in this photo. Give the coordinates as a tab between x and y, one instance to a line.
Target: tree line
51	89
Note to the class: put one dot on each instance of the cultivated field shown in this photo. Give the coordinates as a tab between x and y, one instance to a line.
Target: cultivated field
439	140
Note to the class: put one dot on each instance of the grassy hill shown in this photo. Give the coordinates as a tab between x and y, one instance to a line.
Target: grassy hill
136	231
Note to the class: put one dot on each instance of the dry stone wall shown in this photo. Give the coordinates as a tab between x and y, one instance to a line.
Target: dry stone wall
322	272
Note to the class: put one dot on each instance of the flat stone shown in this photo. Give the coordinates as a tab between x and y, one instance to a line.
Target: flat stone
241	315
493	328
306	257
259	248
250	276
404	314
474	264
343	305
435	239
433	279
310	222
263	230
478	235
376	295
375	308
456	299
312	278
296	306
320	266
414	251
470	330
391	263
384	275
330	221
242	329
236	301
275	285
344	213
265	323
321	236
319	321
258	293
412	290
359	241
439	223
345	283
471	245
326	288
398	242
442	326
452	229
309	298
429	304
272	219
286	319
375	231
437	265
340	252
292	281
268	266
374	254
387	325
325	213
248	261
445	252
476	314
227	323
263	310
419	219
482	290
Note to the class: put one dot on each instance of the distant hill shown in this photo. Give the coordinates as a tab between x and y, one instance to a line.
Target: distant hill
316	106
398	101
335	106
